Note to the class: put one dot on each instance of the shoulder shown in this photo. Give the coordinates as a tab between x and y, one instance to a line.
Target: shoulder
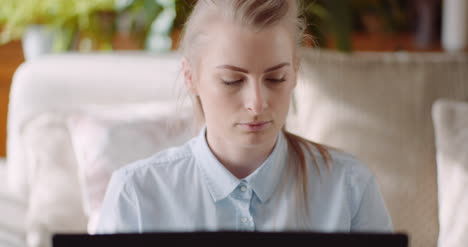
354	167
347	173
344	170
354	174
341	163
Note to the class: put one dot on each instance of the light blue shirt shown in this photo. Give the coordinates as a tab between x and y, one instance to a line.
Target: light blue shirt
187	189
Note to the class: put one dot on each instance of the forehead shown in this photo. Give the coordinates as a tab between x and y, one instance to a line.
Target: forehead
229	43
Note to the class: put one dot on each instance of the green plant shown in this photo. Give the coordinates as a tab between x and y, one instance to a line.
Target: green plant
80	22
338	19
64	17
151	20
330	18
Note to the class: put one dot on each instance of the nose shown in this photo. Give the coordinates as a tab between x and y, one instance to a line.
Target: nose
256	98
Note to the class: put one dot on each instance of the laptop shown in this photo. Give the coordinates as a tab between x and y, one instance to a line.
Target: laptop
243	239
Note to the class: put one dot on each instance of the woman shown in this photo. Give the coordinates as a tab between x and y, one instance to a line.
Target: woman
244	171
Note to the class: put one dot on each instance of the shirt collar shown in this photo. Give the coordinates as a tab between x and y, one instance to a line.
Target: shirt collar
221	182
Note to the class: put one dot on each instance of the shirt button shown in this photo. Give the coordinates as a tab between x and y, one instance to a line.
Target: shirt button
243	188
244	219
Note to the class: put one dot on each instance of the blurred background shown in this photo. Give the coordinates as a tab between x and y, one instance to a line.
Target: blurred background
31	28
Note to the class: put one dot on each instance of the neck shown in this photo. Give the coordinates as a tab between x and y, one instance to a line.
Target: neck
240	161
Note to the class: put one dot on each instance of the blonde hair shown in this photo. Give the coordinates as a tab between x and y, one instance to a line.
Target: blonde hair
257	15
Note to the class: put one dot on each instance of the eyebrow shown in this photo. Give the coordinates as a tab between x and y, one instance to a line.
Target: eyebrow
226	66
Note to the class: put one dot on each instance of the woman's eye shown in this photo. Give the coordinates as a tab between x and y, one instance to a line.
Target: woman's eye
273	80
276	80
231	82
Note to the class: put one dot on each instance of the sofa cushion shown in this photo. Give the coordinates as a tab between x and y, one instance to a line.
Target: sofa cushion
107	139
55	202
12	212
378	107
451	132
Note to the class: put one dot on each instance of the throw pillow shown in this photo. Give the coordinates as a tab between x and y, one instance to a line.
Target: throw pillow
107	139
451	132
55	202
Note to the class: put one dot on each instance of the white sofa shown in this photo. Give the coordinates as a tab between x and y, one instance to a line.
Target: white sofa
12	213
374	105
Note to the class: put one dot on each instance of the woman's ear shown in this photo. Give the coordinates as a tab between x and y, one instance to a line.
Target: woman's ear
189	76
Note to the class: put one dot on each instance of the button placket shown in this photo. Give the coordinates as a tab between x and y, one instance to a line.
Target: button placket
244	195
243	188
244	219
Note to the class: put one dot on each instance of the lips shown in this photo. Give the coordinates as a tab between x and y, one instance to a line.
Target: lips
256	126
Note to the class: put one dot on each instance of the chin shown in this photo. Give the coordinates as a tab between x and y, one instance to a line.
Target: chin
255	139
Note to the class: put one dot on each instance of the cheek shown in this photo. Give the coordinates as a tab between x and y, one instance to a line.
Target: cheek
216	100
281	101
282	94
214	94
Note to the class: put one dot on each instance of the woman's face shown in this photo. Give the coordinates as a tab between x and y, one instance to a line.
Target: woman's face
245	80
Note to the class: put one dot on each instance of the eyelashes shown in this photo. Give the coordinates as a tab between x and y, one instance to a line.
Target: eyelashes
277	80
241	80
231	82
